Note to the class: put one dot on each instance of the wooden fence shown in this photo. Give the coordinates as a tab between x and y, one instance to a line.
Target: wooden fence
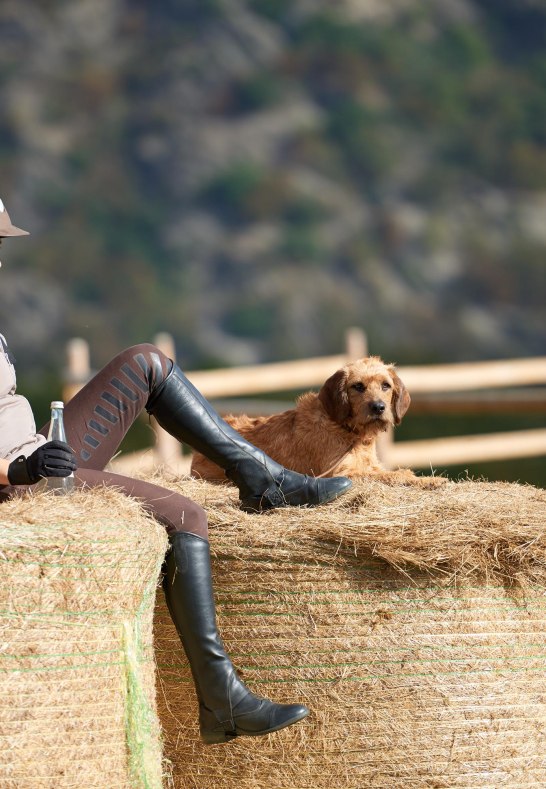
441	388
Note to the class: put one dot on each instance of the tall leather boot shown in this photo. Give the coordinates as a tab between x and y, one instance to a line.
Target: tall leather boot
263	484
227	708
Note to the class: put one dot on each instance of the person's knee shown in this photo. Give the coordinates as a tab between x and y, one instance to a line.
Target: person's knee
143	348
193	518
147	361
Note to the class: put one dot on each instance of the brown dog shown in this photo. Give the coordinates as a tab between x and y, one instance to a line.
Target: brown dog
332	432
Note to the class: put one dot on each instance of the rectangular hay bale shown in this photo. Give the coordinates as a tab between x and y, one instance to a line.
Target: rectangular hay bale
77	671
416	676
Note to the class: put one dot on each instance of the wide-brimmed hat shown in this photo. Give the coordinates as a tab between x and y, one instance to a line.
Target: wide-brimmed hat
6	228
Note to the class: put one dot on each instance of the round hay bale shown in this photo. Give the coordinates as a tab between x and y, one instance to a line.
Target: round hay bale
410	621
77	673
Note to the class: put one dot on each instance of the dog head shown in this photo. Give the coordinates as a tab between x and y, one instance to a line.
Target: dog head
365	396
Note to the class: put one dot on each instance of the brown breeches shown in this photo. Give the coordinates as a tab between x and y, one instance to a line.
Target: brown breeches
98	417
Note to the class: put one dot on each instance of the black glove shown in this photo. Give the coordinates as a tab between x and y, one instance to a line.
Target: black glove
54	459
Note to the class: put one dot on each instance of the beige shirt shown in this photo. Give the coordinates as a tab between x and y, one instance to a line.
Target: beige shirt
17	426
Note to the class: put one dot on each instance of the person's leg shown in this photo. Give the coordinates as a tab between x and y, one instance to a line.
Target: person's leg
263	483
97	418
6	493
174	511
227	708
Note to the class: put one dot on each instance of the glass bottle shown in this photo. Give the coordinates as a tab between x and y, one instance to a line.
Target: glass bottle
57	485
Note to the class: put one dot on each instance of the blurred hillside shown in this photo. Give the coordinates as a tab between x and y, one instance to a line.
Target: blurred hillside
256	176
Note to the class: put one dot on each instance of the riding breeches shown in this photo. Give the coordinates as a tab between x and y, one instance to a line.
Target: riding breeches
96	420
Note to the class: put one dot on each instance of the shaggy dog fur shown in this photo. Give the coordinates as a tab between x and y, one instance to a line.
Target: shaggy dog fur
332	432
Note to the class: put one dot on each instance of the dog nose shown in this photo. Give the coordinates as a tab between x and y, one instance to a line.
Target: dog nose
377	407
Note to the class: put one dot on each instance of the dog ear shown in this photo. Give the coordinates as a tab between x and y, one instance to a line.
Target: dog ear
334	397
401	399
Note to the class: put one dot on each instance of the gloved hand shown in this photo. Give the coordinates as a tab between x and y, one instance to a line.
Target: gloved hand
54	459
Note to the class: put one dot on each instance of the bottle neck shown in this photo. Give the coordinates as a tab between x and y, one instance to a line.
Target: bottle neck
56	426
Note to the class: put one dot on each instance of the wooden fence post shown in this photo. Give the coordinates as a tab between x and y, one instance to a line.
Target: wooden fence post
383	447
356	343
78	369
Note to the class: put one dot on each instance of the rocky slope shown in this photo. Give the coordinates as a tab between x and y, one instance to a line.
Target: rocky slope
256	176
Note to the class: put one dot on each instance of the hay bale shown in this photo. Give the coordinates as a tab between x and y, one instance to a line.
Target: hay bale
411	622
77	674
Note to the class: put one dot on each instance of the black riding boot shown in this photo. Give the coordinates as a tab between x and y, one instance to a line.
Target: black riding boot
227	708
263	484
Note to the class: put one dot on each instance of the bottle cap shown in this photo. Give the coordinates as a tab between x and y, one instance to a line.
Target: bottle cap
57	404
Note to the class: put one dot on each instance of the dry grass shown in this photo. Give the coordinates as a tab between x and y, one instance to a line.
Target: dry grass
462	527
77	705
410	621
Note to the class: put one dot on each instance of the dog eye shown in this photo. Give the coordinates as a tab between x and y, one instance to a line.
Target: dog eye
385	386
359	387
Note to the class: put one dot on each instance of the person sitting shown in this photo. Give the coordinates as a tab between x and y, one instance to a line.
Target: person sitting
96	420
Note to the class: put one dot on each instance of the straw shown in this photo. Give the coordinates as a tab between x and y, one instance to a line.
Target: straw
77	677
410	621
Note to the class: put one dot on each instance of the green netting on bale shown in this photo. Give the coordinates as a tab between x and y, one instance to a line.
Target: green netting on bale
140	713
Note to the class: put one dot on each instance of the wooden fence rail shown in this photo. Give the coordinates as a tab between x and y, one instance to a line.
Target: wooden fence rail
286	376
427	383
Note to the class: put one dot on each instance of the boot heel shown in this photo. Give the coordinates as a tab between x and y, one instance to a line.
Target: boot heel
215	737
